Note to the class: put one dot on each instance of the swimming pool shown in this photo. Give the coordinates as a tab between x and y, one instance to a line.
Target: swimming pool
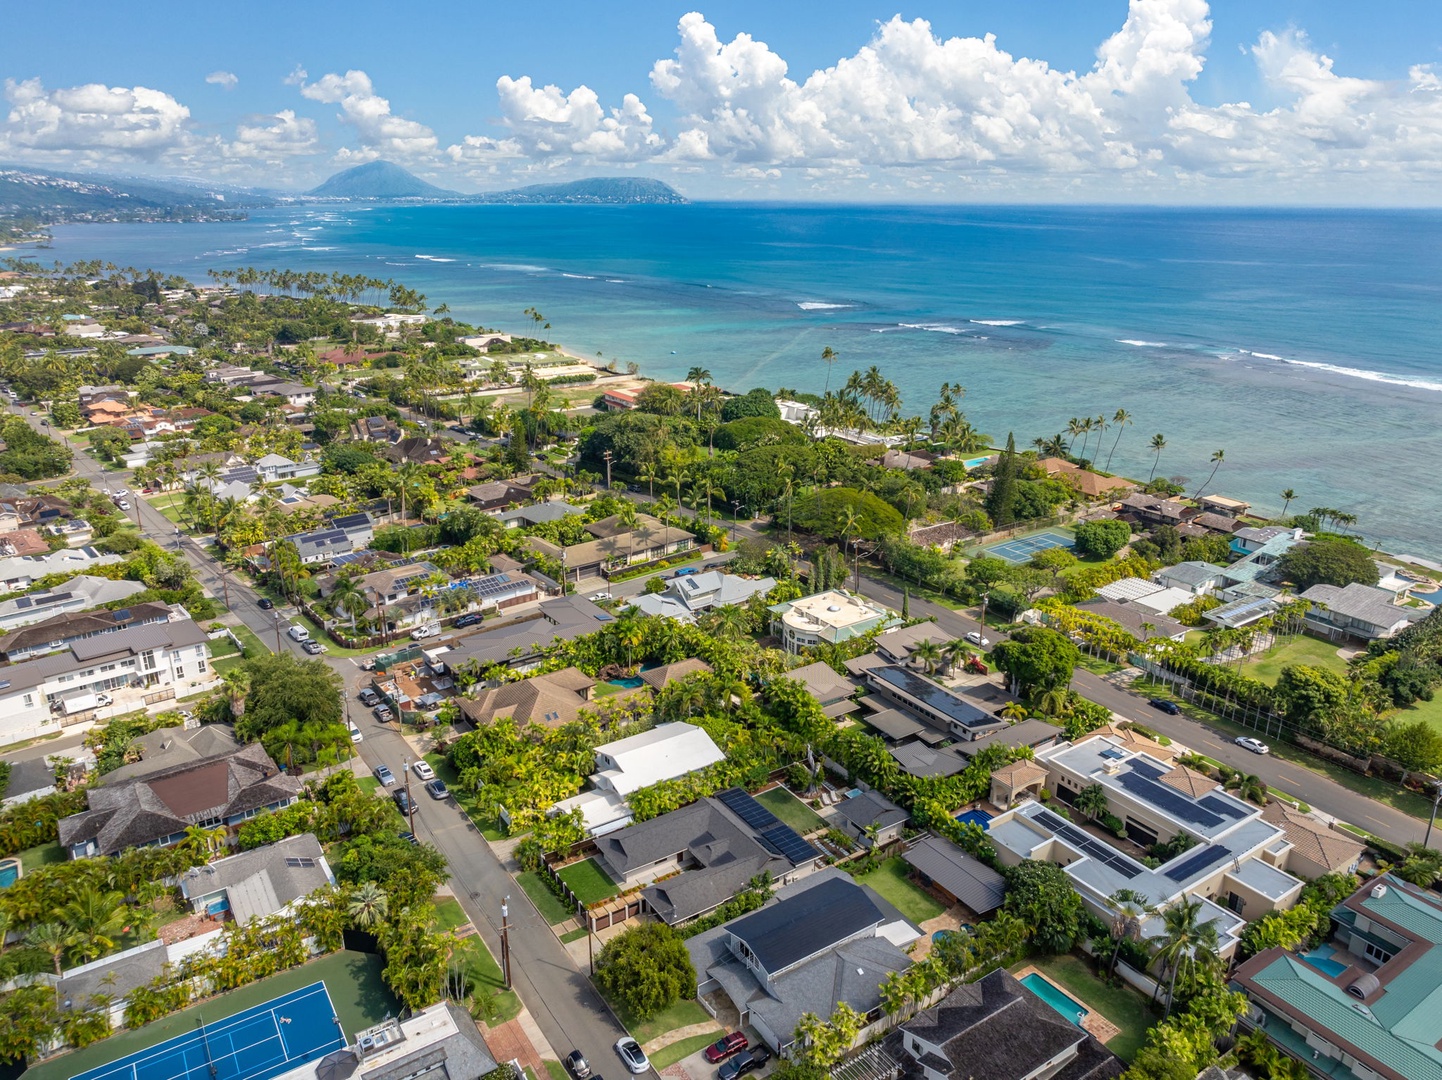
9	872
1321	959
1067	1007
974	817
629	683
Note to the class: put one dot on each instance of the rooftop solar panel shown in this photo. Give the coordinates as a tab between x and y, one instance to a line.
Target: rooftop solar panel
788	843
933	696
1094	848
746	808
1169	799
1202	860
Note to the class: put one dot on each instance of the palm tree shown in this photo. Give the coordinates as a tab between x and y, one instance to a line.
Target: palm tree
1287	496
1217	457
829	358
95	919
347	597
237	686
1185	940
1122	420
848	523
698	377
1129	908
51	938
1091	801
1249	787
929	655
1158	444
367	905
956	653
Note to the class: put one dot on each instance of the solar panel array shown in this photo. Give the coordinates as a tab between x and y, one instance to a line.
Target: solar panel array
1144	781
1202	860
772	831
496	585
947	704
1094	848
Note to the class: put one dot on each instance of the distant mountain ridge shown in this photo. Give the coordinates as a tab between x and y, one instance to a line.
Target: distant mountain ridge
54	197
379	180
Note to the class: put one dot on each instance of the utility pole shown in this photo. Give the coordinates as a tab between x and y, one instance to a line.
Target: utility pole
1436	798
225	584
410	803
590	945
506	940
607	456
277	630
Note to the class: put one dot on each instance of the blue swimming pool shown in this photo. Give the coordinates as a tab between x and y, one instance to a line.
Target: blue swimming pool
9	873
629	683
1068	1007
1321	959
974	817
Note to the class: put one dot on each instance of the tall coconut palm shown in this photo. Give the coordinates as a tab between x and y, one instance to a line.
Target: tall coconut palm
1158	444
237	685
1287	496
1218	456
95	920
51	938
347	597
829	358
698	377
1129	909
367	905
1186	940
928	653
1122	420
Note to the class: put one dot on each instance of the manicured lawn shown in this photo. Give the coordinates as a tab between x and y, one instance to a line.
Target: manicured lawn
1124	1007
1381	790
227	663
1431	711
791	810
43	855
495	1003
573	935
889	879
1097	666
669	1055
450	915
588	881
368	783
552	908
352	979
253	645
682	1014
556	1070
1267	666
169	505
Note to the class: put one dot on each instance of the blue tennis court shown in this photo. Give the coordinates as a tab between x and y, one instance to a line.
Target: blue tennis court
1023	548
255	1044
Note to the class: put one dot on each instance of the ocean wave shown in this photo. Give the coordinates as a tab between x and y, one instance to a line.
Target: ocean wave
1351	372
817	305
1140	344
432	258
936	328
578	277
526	268
615	281
996	322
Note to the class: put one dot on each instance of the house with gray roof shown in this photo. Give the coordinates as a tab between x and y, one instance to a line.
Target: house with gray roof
441	1042
833	692
258	883
1357	611
157	809
80	593
867	811
819	942
61	630
1196	578
538	514
689	595
967	880
999	1029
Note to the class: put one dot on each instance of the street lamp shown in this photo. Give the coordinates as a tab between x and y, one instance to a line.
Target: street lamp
737	506
506	940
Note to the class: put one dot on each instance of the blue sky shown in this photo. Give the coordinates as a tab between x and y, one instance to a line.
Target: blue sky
1156	100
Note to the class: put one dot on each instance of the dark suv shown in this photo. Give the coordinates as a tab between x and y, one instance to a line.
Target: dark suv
742	1064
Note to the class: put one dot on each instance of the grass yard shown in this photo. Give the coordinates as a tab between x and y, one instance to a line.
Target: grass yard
1098	666
588	881
493	1002
890	880
552	908
1124	1007
1431	711
450	915
253	645
169	505
44	855
684	1013
573	935
1267	666
676	1051
556	1070
1382	791
352	979
791	810
368	783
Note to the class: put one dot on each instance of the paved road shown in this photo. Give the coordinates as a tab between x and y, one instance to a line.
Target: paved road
1321	792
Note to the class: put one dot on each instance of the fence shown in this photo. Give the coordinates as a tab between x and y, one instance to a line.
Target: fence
1269	723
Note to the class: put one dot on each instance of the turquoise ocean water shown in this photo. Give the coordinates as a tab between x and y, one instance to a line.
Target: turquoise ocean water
1303	343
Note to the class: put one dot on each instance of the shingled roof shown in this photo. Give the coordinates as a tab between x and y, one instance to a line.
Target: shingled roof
552	699
1312	839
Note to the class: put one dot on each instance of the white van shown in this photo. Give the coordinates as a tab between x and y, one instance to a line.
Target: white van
298	633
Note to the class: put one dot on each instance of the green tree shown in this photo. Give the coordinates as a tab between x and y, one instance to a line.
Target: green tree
1037	659
1310	697
367	905
1001	499
646	970
1091	800
1041	894
1102	539
1328	562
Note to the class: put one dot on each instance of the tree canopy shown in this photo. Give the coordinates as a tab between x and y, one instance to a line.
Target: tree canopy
1328	562
1102	539
646	970
294	709
1038	658
824	512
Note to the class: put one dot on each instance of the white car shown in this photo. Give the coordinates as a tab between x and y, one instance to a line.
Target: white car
423	770
976	638
355	734
1256	746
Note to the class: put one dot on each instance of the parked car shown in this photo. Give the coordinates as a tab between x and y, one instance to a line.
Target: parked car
355	734
579	1067
423	770
977	638
384	775
596	598
298	633
382	713
725	1046
122	504
685	571
368	696
402	801
436	789
266	603
1168	707
1256	746
631	1053
473	619
313	647
742	1064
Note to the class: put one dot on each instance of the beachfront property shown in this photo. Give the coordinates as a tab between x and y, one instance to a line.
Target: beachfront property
38	697
818	942
1239	863
259	883
666	752
155	810
1357	611
1195	578
1087	484
691	861
829	617
998	1027
1365	1005
686	597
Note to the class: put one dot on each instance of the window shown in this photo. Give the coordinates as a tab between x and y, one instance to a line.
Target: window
1377	953
29	701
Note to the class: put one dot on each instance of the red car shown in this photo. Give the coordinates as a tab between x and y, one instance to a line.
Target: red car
724	1047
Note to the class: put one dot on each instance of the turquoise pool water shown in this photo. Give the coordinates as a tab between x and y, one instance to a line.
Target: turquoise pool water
9	872
1321	959
1066	1006
628	683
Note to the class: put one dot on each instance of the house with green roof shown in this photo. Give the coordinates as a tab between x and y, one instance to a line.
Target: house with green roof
1368	1004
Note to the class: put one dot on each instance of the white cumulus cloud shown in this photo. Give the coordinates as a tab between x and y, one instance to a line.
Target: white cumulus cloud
381	132
272	139
224	79
92	122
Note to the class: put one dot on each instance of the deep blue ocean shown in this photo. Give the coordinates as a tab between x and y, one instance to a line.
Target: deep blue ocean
1303	343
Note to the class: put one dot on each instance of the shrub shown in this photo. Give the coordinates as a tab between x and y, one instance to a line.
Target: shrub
1102	539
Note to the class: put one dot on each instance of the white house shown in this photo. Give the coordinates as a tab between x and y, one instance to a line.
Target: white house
23	571
832	617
